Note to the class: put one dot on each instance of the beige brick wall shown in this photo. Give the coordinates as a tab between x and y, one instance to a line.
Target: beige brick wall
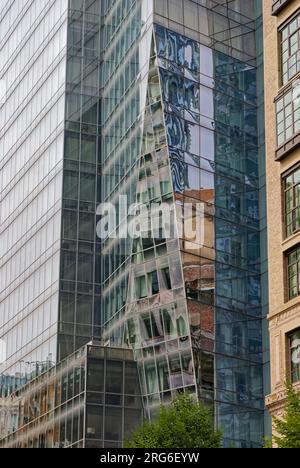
284	315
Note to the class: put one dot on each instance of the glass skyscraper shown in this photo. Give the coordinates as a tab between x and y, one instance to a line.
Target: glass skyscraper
191	311
33	58
156	104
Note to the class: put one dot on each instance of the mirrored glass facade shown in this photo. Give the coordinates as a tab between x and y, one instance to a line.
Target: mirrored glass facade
90	400
33	69
79	303
159	104
192	307
50	186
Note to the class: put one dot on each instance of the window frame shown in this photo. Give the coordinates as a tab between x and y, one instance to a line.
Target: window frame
283	101
295	207
289	337
281	41
288	265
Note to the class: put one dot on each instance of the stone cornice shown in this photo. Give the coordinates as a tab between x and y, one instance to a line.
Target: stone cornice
285	316
275	401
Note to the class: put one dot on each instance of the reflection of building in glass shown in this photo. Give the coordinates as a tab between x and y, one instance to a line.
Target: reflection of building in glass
162	106
295	356
90	400
193	312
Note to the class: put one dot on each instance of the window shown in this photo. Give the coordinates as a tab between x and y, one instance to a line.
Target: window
141	287
87	187
288	116
294	343
84	310
68	266
86	227
114	377
88	149
113	424
94	422
85	268
71	185
95	376
290	49
293	265
67	308
154	283
166	279
72	146
292	202
278	5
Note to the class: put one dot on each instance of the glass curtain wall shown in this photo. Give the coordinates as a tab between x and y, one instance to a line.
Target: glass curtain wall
90	400
33	39
194	306
210	103
125	63
161	106
79	305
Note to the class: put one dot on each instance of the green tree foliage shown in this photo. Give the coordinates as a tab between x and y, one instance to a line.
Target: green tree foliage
288	428
184	424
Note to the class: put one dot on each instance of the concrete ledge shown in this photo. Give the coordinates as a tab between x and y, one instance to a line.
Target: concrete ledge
278	5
